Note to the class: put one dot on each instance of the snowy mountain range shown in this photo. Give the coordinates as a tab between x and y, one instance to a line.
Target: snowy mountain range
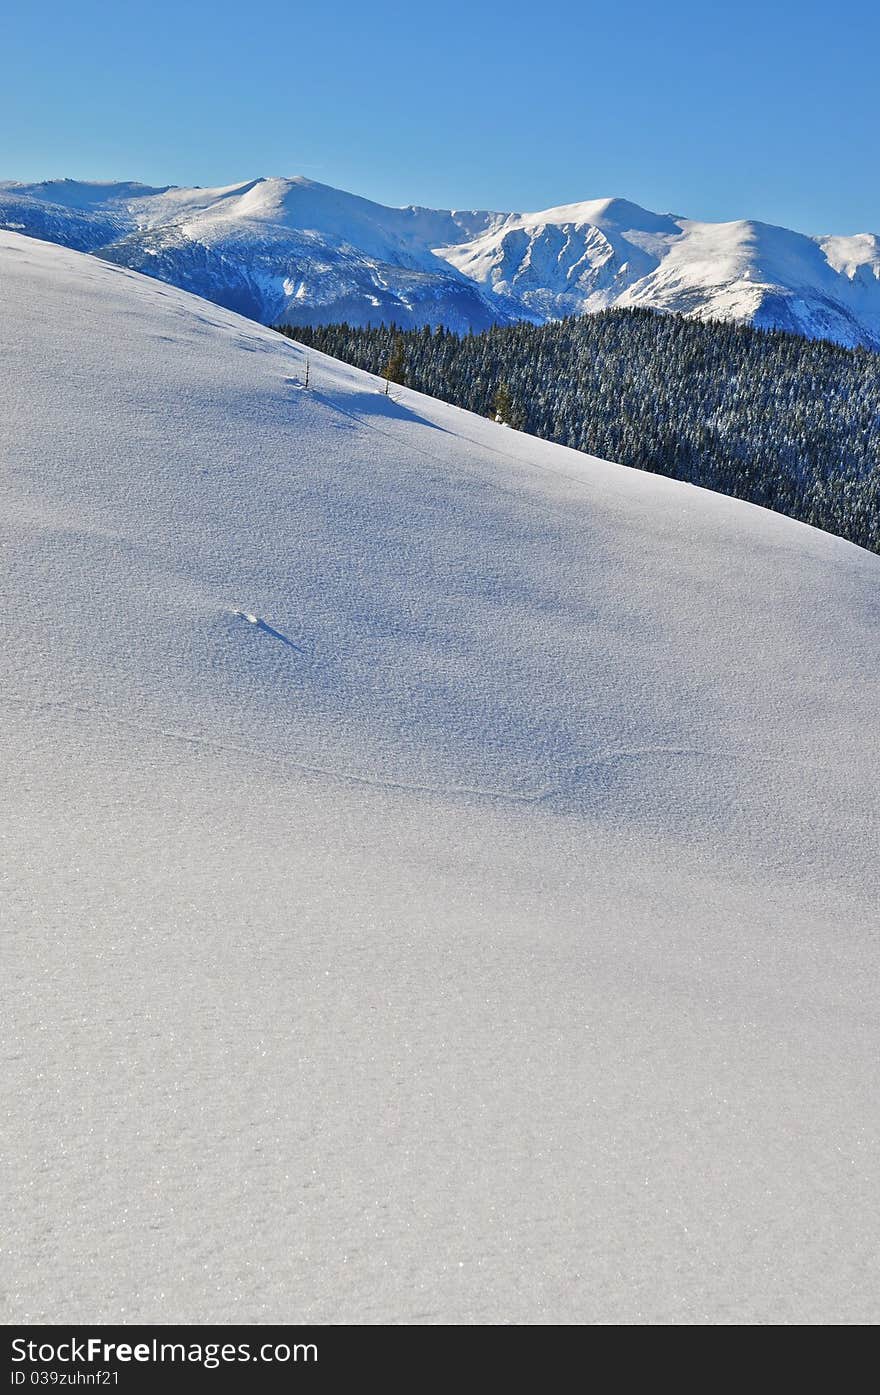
300	252
440	871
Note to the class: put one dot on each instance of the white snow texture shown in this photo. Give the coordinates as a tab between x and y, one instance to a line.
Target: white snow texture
440	869
292	250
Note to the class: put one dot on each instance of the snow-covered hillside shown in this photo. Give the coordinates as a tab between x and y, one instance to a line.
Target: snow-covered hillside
587	257
440	869
297	251
273	249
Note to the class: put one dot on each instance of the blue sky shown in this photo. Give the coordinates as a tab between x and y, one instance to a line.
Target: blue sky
764	110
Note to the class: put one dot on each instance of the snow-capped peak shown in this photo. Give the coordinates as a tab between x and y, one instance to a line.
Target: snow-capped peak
247	244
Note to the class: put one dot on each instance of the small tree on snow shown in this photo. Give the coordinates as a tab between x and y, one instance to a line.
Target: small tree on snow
394	364
502	405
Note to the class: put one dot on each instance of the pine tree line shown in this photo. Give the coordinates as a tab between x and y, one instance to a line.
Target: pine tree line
789	423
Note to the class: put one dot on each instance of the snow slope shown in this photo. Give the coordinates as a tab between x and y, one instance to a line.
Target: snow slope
587	257
440	869
274	249
298	251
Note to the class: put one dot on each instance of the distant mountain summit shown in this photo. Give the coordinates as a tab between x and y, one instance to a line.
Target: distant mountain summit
294	251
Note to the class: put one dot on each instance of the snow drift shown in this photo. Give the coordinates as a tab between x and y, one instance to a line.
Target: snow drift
440	868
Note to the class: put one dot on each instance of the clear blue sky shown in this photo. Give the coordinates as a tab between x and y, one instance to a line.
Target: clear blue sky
768	110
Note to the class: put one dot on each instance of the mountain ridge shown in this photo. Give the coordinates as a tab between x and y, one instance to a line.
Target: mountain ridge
298	251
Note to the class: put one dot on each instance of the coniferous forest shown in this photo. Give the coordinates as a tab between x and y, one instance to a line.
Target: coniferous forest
785	422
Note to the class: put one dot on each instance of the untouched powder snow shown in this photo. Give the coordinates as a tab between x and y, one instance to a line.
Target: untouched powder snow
440	870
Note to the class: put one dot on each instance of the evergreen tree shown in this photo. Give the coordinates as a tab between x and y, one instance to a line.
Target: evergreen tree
393	369
502	404
789	423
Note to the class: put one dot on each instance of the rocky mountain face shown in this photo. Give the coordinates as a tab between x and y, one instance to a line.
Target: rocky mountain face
294	251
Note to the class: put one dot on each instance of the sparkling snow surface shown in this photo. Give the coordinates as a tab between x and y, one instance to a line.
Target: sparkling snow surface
440	870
